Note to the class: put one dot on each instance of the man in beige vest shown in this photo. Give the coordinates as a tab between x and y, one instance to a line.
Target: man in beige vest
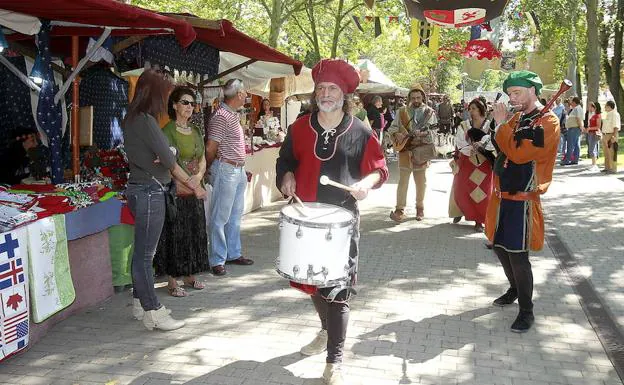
610	127
412	138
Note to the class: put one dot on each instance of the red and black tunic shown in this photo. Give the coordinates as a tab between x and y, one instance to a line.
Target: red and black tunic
345	154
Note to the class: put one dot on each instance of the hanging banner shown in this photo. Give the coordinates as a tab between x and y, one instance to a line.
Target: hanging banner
377	26
424	33
14	311
356	20
455	13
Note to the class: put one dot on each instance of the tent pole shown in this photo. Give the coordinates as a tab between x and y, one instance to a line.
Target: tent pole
75	119
227	72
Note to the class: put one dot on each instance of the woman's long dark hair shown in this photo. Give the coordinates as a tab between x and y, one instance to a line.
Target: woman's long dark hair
150	96
262	112
597	107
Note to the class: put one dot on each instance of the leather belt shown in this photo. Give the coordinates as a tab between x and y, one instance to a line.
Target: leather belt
233	163
520	196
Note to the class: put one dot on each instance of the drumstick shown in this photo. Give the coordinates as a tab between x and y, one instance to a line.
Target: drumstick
326	181
301	210
298	200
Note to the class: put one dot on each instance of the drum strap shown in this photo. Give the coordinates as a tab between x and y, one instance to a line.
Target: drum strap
336	290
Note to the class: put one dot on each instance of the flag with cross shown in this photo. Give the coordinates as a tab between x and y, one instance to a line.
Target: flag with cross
14	309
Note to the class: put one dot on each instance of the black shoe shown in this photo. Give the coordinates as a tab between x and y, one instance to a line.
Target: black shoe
507	298
604	170
523	322
457	219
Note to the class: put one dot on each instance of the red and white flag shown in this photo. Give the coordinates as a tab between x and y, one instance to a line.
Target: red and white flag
14	310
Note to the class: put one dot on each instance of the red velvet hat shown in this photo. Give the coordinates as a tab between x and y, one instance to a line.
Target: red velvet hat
338	72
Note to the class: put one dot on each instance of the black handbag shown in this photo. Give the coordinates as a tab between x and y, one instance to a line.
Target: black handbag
170	201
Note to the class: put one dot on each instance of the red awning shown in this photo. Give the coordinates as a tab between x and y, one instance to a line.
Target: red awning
101	13
230	39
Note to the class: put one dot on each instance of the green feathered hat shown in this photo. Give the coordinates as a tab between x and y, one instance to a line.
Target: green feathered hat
523	79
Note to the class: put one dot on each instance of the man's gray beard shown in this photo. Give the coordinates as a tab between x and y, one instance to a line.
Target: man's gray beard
338	105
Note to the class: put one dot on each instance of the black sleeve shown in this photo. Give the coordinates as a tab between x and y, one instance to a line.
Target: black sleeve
374	117
286	161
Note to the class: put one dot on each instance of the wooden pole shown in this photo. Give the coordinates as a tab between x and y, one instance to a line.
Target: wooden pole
227	72
75	116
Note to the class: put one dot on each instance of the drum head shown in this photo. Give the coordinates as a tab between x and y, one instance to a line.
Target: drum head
321	214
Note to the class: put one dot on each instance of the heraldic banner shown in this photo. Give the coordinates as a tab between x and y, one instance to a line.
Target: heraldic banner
51	286
14	313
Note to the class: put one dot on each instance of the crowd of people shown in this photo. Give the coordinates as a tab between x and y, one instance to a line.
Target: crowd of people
502	163
600	130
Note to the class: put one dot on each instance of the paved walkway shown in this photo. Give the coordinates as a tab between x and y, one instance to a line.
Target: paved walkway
423	315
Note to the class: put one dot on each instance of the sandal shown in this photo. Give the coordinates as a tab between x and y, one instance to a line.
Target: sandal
195	284
177	291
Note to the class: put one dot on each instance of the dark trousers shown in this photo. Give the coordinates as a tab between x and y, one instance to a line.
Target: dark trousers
147	204
334	318
519	274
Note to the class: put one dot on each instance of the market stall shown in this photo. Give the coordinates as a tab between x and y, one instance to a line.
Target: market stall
90	235
58	233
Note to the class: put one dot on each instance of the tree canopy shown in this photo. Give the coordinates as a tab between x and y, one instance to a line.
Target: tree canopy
578	34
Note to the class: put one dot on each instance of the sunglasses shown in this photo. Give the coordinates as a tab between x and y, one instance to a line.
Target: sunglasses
187	102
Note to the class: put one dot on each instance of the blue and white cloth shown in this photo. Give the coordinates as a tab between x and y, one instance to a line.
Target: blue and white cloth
14	102
108	94
49	114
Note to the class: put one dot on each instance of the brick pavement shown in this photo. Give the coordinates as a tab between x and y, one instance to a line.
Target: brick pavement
423	315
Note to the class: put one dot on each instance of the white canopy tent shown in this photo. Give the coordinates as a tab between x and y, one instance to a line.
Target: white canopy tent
371	74
376	82
257	76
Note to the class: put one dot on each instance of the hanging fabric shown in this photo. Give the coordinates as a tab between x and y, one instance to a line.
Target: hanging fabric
424	33
377	26
108	94
166	52
455	13
49	115
356	21
14	95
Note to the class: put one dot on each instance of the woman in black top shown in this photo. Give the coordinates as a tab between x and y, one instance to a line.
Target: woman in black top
152	164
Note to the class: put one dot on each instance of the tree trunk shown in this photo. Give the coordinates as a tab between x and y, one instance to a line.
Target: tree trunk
593	52
337	26
276	22
615	84
579	83
315	41
572	59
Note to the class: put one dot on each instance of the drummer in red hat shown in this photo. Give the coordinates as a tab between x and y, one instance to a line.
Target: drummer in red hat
329	141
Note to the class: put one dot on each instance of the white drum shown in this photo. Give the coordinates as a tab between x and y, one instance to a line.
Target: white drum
314	249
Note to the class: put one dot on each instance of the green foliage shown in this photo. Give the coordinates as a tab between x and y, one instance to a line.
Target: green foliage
560	23
492	80
390	51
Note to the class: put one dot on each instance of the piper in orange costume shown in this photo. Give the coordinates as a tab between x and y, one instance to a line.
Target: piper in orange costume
522	172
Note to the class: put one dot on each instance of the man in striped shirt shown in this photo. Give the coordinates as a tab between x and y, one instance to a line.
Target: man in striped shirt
225	155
